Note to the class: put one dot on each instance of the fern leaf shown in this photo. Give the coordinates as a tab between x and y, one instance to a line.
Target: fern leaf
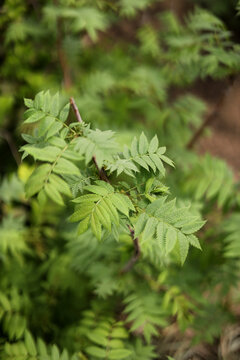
168	226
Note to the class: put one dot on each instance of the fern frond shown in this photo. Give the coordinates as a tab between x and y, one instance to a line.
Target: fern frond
144	313
232	228
11	189
210	178
106	337
130	7
100	207
169	226
35	350
98	144
13	236
141	155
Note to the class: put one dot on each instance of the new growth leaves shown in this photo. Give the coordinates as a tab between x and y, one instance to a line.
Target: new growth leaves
63	151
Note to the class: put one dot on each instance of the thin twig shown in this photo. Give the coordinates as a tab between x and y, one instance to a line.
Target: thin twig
101	172
5	135
200	130
75	109
137	252
209	119
103	176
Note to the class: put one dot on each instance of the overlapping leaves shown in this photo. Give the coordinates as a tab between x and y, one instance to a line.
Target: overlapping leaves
210	178
58	157
142	154
106	337
46	111
144	312
98	144
170	226
100	207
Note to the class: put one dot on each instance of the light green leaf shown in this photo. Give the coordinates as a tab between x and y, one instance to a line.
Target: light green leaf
60	185
55	353
36	116
45	125
118	354
183	246
143	144
54	129
119	203
153	146
28	103
96	351
53	194
171	238
83	226
47	153
30	344
54	107
64	113
99	190
97	338
64	166
96	226
82	212
192	227
103	217
134	147
36	180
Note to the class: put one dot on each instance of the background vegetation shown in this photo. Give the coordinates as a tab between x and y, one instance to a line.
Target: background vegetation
131	66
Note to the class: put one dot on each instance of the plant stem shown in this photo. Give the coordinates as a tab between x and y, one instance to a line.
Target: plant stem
75	109
101	172
137	252
209	119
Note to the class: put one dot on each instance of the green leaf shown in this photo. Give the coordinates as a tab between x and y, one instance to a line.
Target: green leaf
167	160
53	194
153	146
117	354
64	113
103	217
96	226
36	116
183	246
143	144
83	226
54	107
45	125
192	227
37	179
47	153
64	166
54	129
82	212
28	103
97	338
60	185
97	189
111	209
171	239
134	147
96	351
55	355
120	203
30	344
